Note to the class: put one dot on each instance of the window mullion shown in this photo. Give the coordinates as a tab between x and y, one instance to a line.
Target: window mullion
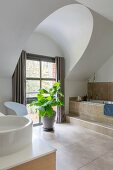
40	74
49	79
32	78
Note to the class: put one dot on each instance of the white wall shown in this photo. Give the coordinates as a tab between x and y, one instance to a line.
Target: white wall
5	91
43	45
37	44
105	73
40	44
72	89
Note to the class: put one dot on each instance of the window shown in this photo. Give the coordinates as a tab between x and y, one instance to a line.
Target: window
40	73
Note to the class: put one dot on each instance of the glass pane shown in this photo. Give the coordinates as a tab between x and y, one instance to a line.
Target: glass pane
32	86
31	94
33	113
32	68
47	84
48	70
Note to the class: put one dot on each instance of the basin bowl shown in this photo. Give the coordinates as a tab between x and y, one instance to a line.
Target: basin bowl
15	134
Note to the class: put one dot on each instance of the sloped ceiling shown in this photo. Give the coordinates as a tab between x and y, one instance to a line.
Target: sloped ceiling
99	50
85	51
103	7
71	28
18	19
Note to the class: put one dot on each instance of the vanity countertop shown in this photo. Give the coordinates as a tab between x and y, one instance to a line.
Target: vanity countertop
37	149
1	114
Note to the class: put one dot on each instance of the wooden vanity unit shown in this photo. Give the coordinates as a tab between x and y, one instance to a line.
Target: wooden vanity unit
47	162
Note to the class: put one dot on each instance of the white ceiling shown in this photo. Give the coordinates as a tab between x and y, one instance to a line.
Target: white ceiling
71	28
18	19
103	7
99	50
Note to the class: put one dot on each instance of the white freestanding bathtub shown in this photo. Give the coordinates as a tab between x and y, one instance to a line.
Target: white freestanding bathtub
15	134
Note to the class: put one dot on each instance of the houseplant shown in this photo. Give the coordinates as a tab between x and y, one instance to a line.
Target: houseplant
46	100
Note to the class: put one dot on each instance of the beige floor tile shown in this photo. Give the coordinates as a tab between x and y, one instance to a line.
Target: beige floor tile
97	146
103	163
65	162
78	147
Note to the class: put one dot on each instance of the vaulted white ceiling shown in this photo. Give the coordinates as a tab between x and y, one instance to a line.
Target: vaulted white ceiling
99	49
85	37
103	7
18	19
71	28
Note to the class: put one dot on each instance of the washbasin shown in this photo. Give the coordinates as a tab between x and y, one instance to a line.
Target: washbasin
15	134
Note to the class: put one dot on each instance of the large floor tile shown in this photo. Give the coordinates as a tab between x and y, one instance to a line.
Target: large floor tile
103	163
78	147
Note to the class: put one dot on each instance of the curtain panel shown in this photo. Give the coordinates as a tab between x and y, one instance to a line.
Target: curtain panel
19	81
60	70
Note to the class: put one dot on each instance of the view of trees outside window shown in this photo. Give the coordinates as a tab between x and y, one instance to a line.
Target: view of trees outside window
48	70
33	68
39	74
31	87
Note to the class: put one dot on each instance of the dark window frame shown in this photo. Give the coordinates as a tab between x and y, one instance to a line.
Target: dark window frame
39	58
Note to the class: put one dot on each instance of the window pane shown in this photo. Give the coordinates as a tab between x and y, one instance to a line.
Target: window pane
47	84
33	113
32	86
32	68
48	70
31	95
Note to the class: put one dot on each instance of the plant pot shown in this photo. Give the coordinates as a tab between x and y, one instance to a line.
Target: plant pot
48	122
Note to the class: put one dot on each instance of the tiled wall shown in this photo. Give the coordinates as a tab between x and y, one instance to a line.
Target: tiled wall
100	91
90	111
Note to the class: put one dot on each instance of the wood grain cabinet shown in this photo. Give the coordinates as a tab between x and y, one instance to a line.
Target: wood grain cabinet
47	162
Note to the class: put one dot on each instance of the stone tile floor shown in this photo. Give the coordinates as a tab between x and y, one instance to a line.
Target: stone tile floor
79	148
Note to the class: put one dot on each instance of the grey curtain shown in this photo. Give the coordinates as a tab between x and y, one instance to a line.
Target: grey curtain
19	80
60	69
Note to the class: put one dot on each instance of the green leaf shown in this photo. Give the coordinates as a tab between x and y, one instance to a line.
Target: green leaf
46	99
49	98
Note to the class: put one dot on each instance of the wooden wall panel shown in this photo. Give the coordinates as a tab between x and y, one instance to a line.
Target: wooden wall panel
110	91
90	90
100	91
